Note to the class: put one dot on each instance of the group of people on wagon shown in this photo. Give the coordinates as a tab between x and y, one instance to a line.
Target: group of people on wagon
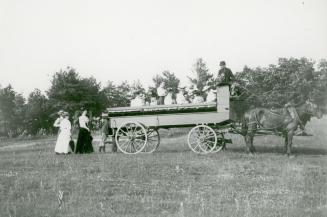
166	96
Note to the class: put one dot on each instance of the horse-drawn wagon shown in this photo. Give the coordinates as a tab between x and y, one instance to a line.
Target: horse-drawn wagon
136	128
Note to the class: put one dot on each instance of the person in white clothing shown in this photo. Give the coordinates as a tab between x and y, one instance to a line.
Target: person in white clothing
169	99
57	121
62	144
181	96
211	94
139	100
198	98
161	93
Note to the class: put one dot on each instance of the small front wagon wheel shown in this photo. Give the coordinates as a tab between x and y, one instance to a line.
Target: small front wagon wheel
202	139
131	138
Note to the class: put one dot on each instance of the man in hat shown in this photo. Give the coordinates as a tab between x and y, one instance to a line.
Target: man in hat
161	93
225	75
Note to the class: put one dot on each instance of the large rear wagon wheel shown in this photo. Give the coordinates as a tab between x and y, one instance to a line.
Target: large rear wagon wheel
153	141
131	138
202	139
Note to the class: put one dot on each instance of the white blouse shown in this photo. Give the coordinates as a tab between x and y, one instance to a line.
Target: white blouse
180	98
83	120
161	91
57	122
65	125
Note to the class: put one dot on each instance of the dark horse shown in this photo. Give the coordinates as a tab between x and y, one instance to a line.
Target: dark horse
280	121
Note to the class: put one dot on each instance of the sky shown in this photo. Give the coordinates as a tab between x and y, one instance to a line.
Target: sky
137	39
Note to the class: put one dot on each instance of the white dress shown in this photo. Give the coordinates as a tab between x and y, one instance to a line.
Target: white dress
169	99
198	99
138	101
62	144
180	98
212	96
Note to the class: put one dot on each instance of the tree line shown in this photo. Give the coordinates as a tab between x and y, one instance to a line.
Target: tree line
272	86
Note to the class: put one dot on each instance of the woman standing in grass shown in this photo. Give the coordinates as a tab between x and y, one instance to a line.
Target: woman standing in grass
84	139
62	144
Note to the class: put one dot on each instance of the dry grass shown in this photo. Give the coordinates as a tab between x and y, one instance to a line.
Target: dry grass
171	182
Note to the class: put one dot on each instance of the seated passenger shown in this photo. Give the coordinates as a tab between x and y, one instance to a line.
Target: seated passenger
169	99
181	96
153	101
139	100
198	98
211	94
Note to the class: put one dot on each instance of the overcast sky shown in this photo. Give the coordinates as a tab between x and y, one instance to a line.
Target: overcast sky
136	39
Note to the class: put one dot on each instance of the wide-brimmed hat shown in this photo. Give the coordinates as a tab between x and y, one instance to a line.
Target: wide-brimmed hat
65	114
60	112
222	63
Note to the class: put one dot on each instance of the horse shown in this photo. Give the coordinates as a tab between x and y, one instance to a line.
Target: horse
280	121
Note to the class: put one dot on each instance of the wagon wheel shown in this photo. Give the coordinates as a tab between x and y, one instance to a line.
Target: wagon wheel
221	143
202	139
131	138
153	141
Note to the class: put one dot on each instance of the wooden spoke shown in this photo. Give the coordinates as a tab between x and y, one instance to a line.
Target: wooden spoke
153	141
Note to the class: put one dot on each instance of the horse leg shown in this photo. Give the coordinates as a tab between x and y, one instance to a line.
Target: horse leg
285	141
252	149
289	142
247	143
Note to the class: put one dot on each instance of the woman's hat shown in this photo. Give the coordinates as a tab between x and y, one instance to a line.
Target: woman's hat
65	114
60	112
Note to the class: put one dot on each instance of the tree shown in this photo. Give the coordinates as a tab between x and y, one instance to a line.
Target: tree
171	82
117	95
319	93
157	80
37	112
136	88
274	86
202	76
70	92
12	109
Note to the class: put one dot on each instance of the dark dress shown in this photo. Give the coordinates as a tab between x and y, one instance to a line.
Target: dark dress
84	141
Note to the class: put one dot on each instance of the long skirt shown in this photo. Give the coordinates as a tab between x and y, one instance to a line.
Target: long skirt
62	144
84	142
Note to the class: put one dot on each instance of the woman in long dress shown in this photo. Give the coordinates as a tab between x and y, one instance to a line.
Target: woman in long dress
62	144
84	139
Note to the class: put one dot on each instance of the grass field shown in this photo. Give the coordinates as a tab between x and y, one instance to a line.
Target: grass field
170	182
